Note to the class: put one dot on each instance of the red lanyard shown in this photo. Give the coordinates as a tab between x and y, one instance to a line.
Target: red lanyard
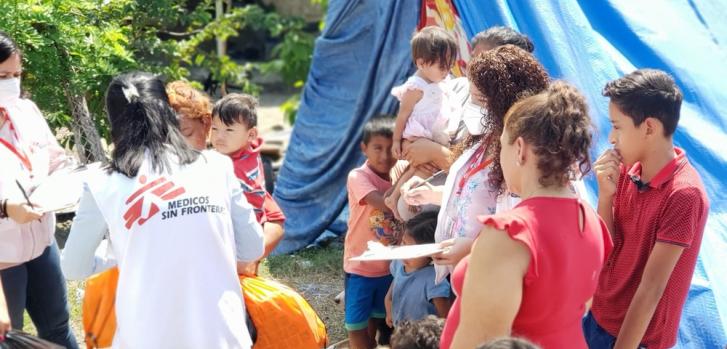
476	165
20	154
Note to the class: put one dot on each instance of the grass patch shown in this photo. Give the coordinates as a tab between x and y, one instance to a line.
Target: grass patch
317	274
325	261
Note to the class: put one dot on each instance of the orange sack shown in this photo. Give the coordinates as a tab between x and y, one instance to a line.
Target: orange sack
283	319
99	317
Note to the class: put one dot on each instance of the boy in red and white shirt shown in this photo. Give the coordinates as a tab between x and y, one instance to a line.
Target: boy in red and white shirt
234	133
655	206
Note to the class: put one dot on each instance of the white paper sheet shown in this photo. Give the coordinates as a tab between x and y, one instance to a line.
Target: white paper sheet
378	252
62	190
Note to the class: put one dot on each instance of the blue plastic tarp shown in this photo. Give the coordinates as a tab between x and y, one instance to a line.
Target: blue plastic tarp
592	42
364	51
361	53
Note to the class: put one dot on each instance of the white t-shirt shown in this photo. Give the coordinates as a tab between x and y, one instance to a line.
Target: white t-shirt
175	237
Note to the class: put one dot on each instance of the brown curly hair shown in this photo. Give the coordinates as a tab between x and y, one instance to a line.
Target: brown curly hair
187	101
556	123
503	75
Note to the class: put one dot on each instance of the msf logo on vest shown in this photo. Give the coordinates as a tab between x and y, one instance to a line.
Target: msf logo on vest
144	203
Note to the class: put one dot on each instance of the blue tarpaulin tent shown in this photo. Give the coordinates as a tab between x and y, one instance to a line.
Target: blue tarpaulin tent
361	53
364	51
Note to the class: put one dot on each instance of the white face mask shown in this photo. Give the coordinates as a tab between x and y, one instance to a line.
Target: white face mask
472	116
10	88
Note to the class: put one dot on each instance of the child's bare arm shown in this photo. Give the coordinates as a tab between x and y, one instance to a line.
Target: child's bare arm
273	232
376	199
406	105
388	304
442	305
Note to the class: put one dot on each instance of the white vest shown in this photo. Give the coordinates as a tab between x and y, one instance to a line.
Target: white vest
172	236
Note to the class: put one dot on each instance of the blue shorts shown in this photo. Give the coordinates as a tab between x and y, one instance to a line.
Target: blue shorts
365	299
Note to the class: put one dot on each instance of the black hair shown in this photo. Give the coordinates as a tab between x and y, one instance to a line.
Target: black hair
422	226
422	334
434	45
499	36
8	47
508	343
381	125
141	120
237	107
647	93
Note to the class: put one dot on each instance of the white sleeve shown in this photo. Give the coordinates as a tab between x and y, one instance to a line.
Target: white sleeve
249	242
79	259
506	202
460	90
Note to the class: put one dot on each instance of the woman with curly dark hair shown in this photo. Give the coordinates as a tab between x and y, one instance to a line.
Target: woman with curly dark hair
533	268
502	76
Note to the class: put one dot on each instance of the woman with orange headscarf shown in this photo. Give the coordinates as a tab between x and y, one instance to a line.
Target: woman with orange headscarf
194	112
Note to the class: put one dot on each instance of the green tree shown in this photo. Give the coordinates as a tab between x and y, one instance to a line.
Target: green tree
70	50
73	48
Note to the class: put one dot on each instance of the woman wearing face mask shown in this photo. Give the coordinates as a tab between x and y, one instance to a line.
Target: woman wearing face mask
29	261
423	150
469	124
501	76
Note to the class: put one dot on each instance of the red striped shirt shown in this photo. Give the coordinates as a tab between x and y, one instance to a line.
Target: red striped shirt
672	208
249	170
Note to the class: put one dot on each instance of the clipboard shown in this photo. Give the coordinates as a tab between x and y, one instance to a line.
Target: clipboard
61	191
378	252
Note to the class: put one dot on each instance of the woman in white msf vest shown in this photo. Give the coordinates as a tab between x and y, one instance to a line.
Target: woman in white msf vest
177	222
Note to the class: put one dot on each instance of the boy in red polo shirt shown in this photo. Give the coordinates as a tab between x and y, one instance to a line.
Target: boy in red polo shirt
234	133
655	206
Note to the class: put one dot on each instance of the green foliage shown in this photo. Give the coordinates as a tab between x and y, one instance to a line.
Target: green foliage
67	46
290	108
293	55
78	46
294	52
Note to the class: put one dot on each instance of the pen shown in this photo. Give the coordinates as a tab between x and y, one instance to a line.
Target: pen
25	195
429	180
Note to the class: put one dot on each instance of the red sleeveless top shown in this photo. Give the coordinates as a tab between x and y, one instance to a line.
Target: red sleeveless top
563	271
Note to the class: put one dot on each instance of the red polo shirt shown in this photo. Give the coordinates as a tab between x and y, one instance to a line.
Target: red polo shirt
672	208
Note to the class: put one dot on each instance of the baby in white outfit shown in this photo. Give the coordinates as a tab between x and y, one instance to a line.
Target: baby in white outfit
424	106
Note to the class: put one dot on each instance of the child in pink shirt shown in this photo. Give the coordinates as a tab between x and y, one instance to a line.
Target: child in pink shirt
368	282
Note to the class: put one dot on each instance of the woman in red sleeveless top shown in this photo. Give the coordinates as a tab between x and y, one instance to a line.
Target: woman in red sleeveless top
533	268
